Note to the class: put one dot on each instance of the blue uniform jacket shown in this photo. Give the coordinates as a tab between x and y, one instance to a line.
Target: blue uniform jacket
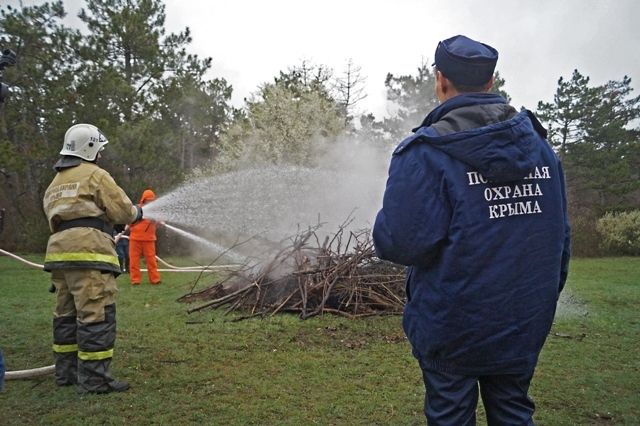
475	205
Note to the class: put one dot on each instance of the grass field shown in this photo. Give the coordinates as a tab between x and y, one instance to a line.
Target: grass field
204	368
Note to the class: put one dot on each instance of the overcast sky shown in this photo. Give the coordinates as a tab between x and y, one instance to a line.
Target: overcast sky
250	41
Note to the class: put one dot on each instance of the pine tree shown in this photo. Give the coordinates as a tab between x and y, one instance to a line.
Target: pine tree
36	115
595	131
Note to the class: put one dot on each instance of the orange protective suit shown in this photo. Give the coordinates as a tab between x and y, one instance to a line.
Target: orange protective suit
142	242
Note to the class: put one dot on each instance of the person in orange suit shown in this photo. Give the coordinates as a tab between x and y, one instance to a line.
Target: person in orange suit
142	242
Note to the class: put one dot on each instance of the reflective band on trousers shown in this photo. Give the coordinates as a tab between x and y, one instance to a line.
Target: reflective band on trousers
71	257
61	349
95	356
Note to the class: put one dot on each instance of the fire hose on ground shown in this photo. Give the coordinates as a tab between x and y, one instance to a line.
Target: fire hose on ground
41	371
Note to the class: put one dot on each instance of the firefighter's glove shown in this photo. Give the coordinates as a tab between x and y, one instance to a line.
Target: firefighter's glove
139	214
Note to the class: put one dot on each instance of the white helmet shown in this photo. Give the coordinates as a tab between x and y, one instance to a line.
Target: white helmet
84	141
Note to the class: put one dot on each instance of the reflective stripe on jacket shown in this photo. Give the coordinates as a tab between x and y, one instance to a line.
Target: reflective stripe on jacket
82	191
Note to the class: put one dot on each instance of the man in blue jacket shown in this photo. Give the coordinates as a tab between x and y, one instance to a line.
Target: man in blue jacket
475	206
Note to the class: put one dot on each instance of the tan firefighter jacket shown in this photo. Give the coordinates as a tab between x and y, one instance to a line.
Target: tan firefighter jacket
84	193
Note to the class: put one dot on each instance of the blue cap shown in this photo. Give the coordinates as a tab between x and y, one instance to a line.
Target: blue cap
466	62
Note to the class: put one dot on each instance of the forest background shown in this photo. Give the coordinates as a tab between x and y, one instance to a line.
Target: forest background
167	121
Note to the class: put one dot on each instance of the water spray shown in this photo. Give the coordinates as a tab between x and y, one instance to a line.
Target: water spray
215	247
273	201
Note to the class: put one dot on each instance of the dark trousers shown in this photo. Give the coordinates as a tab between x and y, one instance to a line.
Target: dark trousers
451	399
122	249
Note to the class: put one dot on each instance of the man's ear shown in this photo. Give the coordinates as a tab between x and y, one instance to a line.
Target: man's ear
442	84
489	85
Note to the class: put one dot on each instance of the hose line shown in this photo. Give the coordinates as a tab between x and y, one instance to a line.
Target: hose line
41	371
29	374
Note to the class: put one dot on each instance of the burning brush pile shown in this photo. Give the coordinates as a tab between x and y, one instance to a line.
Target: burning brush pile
339	275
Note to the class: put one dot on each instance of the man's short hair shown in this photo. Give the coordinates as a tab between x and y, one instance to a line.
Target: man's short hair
465	88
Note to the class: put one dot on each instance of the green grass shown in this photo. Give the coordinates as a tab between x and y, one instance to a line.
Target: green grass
204	368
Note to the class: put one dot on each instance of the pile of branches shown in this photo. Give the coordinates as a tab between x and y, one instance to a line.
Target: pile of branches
339	275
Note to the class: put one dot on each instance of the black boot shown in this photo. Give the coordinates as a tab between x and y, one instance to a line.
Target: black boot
66	369
95	350
95	377
65	350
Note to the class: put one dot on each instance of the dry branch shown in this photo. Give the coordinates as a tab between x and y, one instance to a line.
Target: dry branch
341	275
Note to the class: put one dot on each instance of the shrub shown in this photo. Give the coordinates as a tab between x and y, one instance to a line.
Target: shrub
620	232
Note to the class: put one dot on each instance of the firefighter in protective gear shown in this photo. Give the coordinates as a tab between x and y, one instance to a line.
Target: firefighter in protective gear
142	243
82	204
